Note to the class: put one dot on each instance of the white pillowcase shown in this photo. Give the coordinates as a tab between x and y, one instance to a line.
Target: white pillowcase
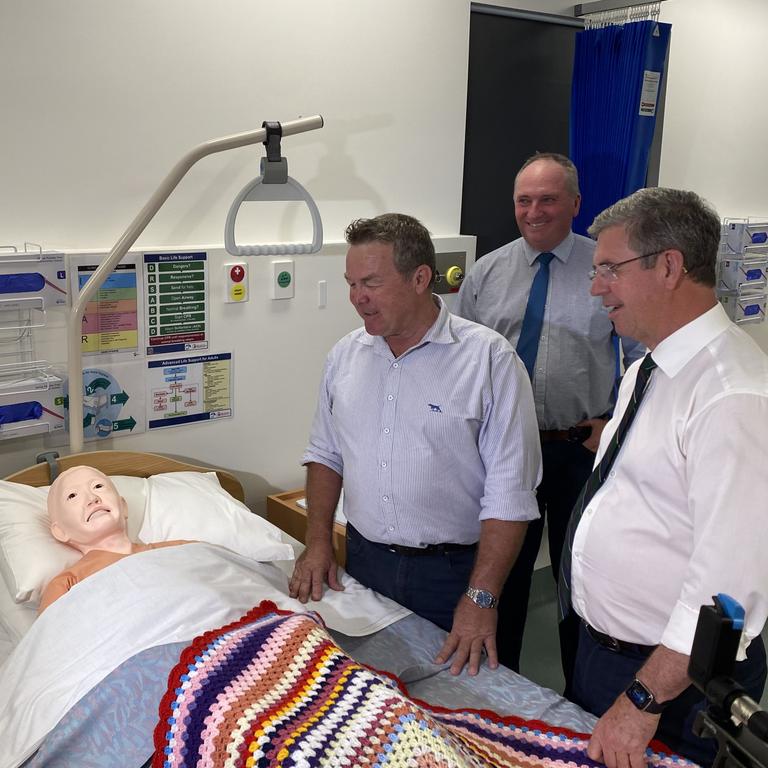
29	555
193	506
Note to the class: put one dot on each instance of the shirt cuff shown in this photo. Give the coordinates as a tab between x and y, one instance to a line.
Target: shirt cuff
681	628
328	460
518	506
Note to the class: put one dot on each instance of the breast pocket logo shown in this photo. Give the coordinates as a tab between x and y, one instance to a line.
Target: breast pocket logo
435	408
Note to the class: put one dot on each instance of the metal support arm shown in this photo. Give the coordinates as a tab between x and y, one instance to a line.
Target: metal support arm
129	237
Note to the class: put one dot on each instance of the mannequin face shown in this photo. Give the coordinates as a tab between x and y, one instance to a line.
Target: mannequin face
85	508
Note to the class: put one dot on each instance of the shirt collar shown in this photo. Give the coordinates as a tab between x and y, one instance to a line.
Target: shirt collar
677	350
439	332
562	251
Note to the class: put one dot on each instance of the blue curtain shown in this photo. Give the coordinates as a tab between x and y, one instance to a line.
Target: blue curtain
612	118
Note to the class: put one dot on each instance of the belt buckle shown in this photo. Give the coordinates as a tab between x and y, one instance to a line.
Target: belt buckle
578	434
612	644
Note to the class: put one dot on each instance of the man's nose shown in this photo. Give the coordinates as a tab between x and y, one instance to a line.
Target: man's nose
598	286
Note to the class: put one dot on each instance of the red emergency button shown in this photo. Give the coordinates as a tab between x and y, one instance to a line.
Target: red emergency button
236	274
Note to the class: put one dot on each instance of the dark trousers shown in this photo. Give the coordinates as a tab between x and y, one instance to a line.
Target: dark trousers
602	674
428	584
566	467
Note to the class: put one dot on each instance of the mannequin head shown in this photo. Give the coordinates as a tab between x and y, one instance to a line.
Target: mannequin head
86	511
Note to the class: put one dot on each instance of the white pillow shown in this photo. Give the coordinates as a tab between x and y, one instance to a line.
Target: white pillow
193	506
15	618
29	555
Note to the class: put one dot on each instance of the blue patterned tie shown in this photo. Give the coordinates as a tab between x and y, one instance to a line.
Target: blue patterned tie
528	341
595	480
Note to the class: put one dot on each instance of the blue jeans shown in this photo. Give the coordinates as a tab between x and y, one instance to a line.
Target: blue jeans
602	674
429	584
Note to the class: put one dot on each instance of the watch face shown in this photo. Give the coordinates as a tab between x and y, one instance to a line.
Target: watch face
639	695
484	598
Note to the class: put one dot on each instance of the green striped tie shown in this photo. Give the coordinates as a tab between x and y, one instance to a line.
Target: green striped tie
595	480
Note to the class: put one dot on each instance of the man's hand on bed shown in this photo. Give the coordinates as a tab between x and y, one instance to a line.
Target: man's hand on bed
473	630
621	735
316	566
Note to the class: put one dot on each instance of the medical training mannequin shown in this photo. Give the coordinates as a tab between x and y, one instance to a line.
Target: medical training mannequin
87	513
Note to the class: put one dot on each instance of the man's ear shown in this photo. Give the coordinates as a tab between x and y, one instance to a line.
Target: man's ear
674	265
422	277
58	533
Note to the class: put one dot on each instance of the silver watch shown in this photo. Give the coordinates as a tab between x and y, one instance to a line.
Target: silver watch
481	597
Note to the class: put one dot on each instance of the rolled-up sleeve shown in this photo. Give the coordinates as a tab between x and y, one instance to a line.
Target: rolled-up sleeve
323	445
509	442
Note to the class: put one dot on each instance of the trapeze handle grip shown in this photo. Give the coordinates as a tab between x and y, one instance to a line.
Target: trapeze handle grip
256	191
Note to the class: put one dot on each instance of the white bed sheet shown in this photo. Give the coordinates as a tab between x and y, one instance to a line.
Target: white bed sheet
159	596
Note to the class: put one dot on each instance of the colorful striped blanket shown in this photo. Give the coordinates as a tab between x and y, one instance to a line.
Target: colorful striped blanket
273	689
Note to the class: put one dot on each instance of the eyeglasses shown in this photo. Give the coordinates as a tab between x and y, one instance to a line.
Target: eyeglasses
609	272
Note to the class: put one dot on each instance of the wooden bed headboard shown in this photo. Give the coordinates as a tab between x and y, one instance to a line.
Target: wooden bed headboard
131	463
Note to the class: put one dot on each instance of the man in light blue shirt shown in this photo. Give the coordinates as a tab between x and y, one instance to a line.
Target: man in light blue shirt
573	370
427	419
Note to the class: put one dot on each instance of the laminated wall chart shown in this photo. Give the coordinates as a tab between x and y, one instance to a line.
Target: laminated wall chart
190	389
114	397
177	309
111	319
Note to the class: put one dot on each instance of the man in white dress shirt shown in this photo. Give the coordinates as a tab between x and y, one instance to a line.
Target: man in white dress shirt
428	420
681	514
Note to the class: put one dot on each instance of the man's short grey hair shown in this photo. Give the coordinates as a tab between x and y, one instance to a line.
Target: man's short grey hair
658	219
411	244
571	174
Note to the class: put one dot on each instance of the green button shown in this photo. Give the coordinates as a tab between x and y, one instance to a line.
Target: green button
284	279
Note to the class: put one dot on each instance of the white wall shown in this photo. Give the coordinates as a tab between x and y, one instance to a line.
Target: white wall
99	101
716	111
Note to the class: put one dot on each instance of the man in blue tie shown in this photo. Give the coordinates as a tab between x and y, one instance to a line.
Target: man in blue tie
535	292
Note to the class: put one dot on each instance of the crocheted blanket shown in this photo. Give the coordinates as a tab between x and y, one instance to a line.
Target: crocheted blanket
273	689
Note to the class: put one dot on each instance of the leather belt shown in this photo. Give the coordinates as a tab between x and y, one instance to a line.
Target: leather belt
570	435
550	435
429	549
612	644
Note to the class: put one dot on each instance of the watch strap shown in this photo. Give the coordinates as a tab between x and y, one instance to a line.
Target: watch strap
651	706
481	597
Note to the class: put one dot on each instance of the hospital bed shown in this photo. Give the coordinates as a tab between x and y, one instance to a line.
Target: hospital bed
80	686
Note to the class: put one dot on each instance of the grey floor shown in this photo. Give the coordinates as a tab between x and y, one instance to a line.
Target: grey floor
540	658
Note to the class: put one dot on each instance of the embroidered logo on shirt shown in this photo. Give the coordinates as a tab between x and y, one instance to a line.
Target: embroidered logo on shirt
435	408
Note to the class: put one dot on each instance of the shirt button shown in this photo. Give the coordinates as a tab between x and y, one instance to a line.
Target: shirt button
391	528
390	397
612	473
386	498
384	464
395	365
386	430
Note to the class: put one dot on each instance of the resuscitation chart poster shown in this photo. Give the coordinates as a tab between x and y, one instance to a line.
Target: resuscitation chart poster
187	390
111	317
177	302
113	400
